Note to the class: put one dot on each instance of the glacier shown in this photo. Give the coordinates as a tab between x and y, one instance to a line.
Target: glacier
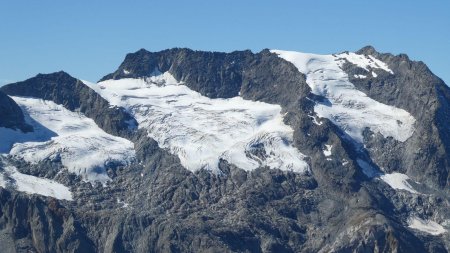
70	137
202	131
350	109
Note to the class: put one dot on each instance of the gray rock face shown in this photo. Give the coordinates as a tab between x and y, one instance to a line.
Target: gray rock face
156	205
31	224
413	87
213	74
11	115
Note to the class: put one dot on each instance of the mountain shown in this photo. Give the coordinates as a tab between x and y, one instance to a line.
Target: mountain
192	151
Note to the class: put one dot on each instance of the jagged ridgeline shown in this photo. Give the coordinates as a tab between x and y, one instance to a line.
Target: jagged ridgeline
192	151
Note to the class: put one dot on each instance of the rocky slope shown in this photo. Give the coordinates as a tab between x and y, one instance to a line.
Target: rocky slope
415	89
155	204
11	115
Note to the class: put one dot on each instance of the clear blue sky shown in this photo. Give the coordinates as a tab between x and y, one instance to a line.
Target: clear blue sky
89	39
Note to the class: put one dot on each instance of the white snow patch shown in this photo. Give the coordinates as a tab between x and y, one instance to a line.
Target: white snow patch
374	74
126	72
427	226
33	185
347	107
327	150
200	130
364	61
360	76
315	121
398	181
82	147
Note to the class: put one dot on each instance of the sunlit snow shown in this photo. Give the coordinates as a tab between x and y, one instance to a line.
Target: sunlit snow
200	130
347	107
364	61
59	134
398	181
10	177
327	150
427	226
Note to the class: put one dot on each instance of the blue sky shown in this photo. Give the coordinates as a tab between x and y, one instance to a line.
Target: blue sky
89	39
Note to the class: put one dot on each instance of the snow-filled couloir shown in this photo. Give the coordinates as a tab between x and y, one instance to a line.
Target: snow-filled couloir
201	131
70	137
347	107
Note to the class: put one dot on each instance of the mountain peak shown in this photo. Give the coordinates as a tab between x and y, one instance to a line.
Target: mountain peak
40	83
367	50
55	75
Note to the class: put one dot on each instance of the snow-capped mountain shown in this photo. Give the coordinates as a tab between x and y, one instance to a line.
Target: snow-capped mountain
191	151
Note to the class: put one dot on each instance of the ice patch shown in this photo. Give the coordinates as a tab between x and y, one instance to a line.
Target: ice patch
426	226
59	134
11	177
398	181
200	130
327	150
347	107
360	76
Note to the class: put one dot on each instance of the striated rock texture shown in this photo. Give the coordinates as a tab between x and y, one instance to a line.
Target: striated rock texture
33	224
156	205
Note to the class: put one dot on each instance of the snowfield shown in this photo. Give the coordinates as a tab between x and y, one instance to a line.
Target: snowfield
10	177
398	181
202	131
347	107
427	226
59	134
